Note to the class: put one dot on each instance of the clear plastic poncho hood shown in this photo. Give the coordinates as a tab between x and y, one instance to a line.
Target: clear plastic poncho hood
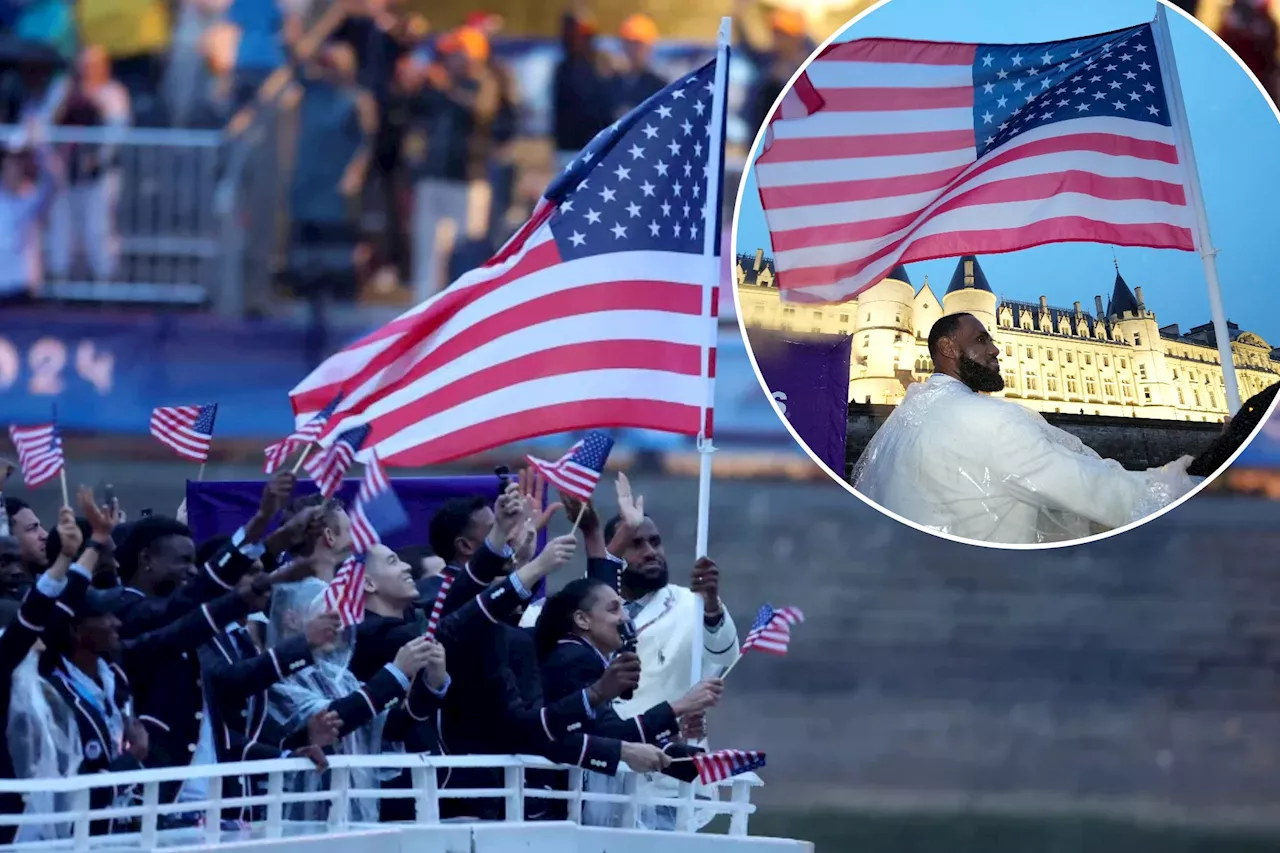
44	743
310	691
992	470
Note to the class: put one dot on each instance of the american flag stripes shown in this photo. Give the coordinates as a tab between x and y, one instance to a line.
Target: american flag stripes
377	511
345	593
600	311
909	151
329	467
771	632
577	472
437	608
186	429
277	453
39	452
725	763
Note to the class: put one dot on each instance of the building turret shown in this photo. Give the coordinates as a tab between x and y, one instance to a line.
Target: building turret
1138	328
883	340
970	293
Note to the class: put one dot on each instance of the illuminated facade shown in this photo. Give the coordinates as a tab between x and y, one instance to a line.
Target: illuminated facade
1116	361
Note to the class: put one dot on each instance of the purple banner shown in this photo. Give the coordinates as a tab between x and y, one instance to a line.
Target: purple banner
808	376
215	509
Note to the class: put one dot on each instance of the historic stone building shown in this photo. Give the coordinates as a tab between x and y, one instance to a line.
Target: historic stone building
1115	361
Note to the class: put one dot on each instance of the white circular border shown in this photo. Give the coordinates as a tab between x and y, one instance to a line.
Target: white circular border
848	487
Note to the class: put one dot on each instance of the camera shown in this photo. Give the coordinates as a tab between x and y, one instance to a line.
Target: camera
627	631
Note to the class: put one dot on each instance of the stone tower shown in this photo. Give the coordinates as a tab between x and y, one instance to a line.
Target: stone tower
884	340
969	293
1138	327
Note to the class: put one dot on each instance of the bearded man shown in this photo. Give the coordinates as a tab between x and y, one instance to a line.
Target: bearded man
955	460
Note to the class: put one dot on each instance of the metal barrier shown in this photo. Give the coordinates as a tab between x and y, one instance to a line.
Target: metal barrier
132	215
74	818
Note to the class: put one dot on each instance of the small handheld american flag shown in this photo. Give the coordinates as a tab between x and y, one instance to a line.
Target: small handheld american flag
771	632
328	468
39	452
345	593
277	453
377	511
186	429
437	609
578	472
720	765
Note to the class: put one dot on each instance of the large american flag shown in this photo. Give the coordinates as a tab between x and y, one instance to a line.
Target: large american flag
716	766
599	312
771	632
39	452
577	472
912	151
328	467
277	453
377	511
345	593
186	429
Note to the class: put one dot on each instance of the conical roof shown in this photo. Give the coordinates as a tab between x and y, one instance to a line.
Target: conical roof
962	280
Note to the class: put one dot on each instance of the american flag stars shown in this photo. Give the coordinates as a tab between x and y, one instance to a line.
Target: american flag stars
648	190
1021	87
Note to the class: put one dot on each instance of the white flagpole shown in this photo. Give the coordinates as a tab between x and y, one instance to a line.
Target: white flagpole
711	239
1191	180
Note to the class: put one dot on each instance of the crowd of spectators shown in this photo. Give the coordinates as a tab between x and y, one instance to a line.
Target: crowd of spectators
128	644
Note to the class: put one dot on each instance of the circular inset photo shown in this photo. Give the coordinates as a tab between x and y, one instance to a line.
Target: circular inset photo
1003	268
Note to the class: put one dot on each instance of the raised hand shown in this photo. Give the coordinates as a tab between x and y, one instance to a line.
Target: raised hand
630	508
693	727
436	667
137	740
277	494
322	630
413	656
324	728
101	518
508	513
705	581
621	676
305	526
69	535
644	757
590	522
533	488
703	695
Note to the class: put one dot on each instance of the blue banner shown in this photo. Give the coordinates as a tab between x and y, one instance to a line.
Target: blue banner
106	371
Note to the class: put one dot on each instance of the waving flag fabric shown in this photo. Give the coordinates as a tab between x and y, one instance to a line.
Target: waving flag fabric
600	311
345	593
377	511
577	472
39	452
771	632
717	766
328	468
307	434
907	151
186	429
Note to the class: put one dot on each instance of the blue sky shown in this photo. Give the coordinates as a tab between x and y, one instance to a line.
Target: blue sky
1237	148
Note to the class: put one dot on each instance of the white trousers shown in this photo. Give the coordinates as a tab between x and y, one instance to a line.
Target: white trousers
82	218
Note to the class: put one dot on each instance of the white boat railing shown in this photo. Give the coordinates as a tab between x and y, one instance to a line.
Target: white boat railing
71	825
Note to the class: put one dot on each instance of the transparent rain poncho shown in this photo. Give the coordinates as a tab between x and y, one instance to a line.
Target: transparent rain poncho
44	743
310	691
991	470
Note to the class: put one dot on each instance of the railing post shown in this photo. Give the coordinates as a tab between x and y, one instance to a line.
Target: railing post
213	812
514	784
427	798
150	817
80	804
275	805
577	780
630	810
741	797
340	810
684	811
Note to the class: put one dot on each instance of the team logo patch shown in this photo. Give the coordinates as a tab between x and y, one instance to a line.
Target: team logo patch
93	750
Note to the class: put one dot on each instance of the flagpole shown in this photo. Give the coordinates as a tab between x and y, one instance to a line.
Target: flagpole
200	475
1204	241
710	293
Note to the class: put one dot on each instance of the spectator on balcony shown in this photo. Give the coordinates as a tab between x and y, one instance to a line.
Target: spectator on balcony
635	80
83	215
23	203
50	22
775	57
502	170
580	95
455	119
136	34
337	121
264	31
379	32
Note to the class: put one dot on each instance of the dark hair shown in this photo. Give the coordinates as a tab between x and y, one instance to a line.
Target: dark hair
555	622
208	548
611	527
13	506
144	533
304	502
450	522
53	545
943	327
1236	433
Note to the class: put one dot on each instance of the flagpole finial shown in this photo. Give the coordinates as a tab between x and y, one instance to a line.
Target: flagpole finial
725	35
